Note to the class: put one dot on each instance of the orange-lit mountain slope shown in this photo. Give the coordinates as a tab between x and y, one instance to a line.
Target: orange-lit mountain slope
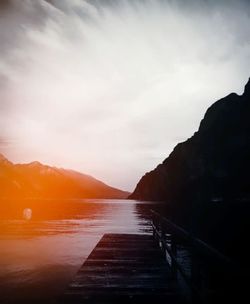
35	180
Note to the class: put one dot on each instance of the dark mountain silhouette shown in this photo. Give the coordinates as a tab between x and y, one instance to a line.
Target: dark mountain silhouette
35	180
205	181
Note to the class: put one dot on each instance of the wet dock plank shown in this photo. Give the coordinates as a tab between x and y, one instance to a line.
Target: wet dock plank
123	268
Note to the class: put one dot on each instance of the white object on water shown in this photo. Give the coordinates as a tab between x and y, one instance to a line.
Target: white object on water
27	214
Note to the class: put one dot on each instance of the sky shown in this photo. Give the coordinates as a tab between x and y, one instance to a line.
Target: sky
109	88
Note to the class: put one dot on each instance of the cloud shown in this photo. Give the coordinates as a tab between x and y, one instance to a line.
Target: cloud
110	87
5	143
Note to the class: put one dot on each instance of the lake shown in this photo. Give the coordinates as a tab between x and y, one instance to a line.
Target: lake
40	256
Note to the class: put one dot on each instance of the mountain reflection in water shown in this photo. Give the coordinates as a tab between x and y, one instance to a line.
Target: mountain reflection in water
39	257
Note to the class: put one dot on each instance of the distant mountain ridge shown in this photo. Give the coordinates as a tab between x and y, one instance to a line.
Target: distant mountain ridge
212	165
35	180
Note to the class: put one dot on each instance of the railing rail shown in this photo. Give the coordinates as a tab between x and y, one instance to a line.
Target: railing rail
170	236
195	242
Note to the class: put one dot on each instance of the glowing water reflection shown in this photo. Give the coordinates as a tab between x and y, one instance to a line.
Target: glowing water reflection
40	256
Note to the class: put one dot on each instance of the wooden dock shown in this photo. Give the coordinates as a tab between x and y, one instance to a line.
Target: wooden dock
123	268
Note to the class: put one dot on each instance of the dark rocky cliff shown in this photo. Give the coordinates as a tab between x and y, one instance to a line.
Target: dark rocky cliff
213	164
204	177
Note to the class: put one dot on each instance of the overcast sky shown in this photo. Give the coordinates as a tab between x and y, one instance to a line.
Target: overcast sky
110	87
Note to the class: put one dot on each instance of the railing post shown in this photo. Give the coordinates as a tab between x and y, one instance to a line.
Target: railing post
196	278
160	234
174	252
153	225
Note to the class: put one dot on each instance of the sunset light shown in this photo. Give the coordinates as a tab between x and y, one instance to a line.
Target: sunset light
124	151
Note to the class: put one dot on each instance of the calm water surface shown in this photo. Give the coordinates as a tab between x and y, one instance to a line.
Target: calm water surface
39	257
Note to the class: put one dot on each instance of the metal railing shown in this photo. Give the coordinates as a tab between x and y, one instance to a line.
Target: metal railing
196	265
